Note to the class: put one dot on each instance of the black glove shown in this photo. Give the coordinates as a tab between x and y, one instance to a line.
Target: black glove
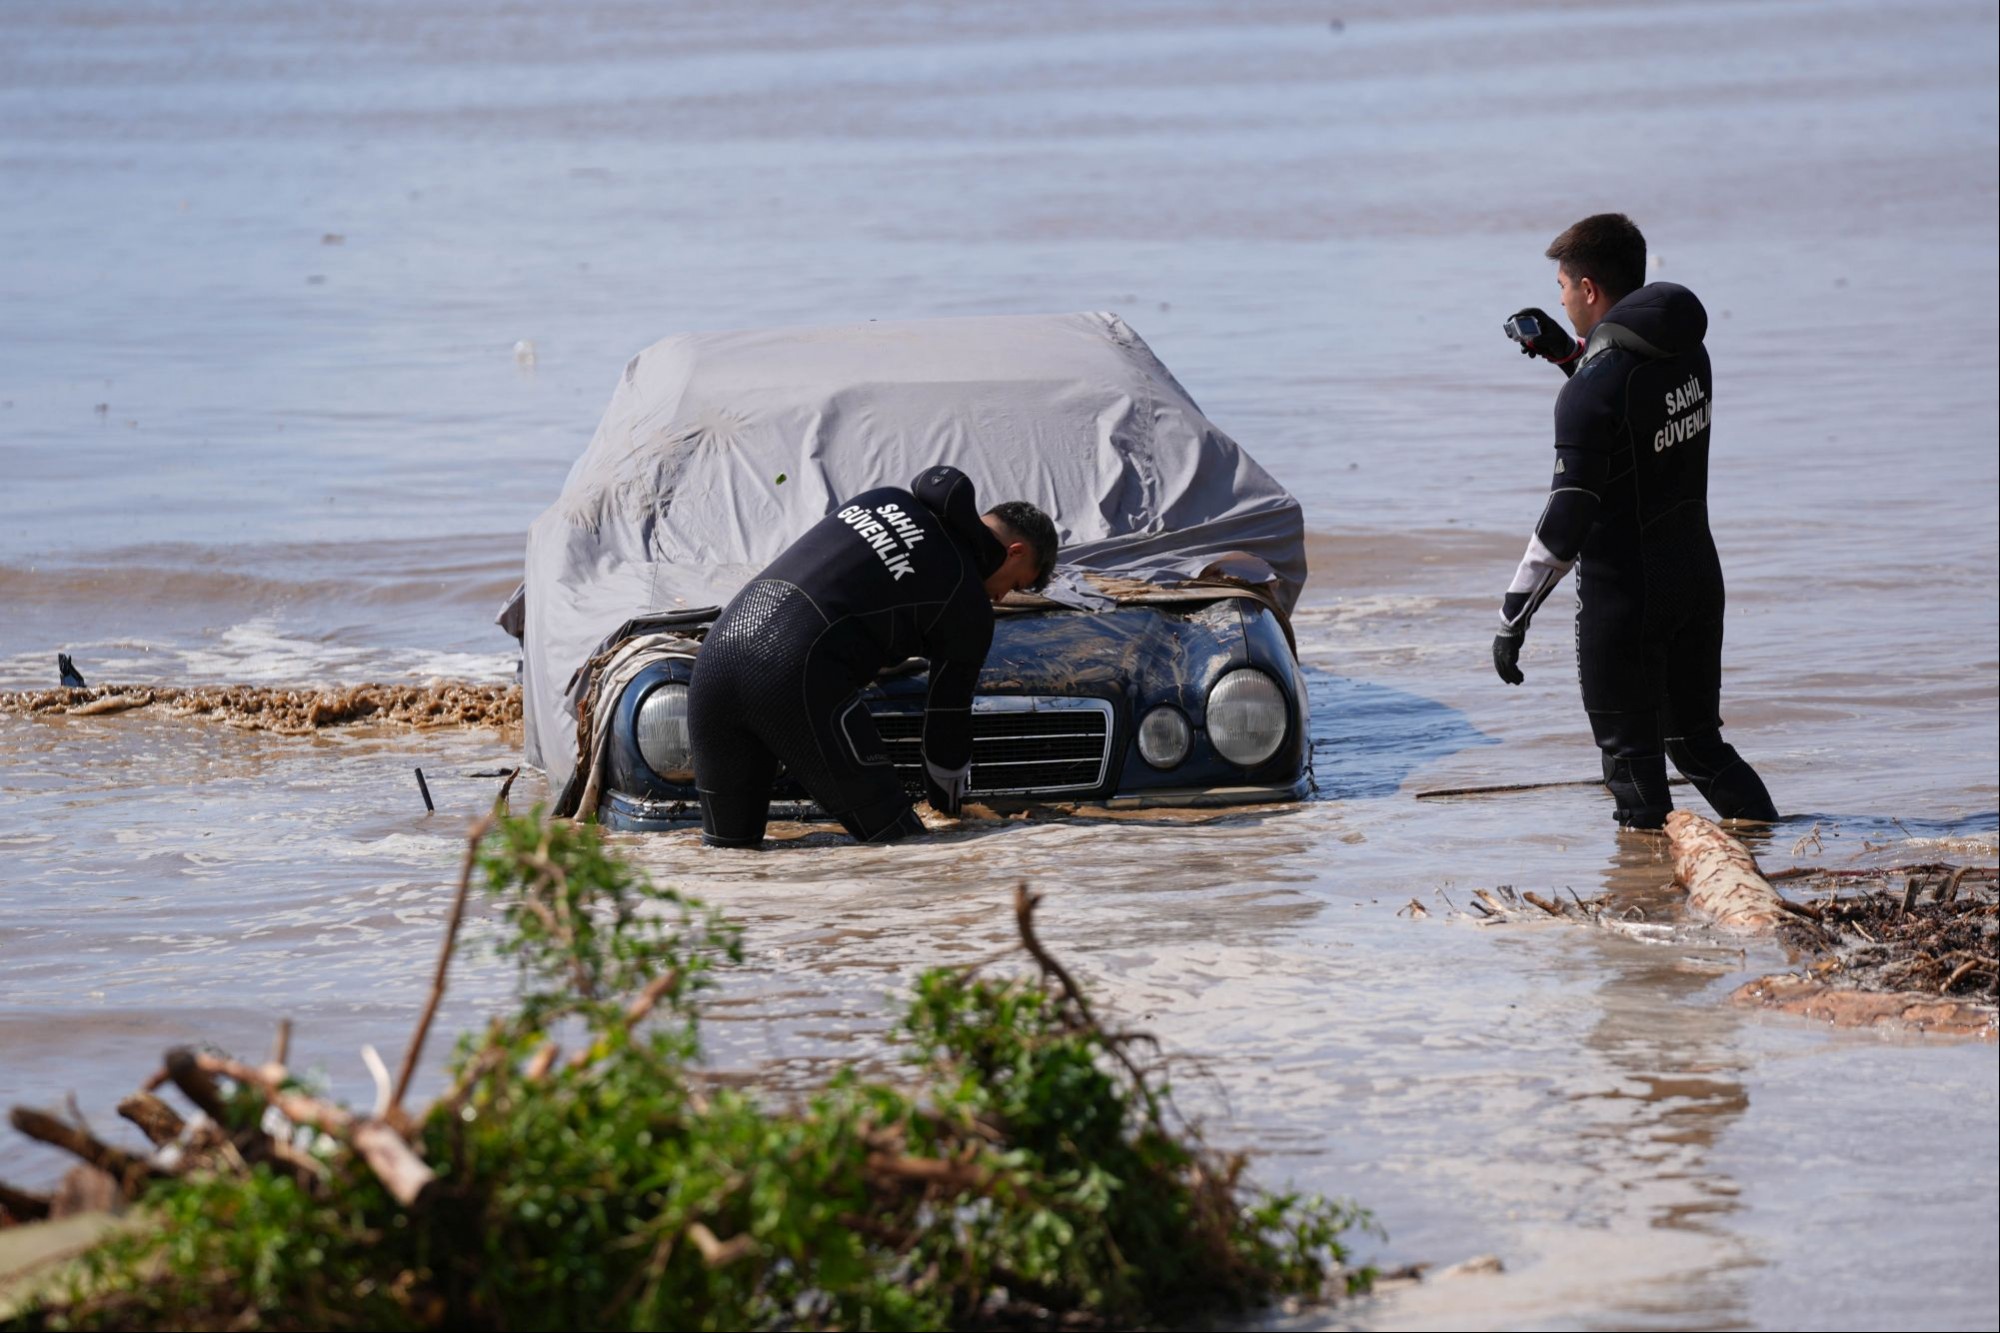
1507	655
1550	342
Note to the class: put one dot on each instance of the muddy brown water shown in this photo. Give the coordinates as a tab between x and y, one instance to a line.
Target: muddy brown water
261	421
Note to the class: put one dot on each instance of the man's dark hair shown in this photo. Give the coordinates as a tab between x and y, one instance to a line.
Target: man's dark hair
1606	248
1032	526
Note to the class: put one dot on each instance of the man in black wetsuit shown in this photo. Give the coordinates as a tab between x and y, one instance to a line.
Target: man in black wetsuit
892	574
1629	507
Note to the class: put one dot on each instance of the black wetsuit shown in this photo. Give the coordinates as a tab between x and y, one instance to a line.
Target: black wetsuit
890	575
1629	507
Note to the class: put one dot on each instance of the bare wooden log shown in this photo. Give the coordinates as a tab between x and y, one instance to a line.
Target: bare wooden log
385	1150
394	1162
1553	909
1720	876
199	1069
388	1154
298	1107
158	1121
719	1253
131	1172
194	1073
1504	787
184	1068
269	1080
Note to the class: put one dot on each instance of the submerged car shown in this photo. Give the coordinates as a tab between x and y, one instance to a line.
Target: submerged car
1156	668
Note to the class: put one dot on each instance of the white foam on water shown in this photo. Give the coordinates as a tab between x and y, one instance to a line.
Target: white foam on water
260	652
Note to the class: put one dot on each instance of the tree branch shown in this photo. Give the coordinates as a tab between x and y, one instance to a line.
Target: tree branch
423	1029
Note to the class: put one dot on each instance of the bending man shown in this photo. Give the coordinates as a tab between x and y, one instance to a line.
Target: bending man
892	574
1629	506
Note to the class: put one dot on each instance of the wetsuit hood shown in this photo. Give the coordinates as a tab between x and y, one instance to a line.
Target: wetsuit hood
948	493
1661	319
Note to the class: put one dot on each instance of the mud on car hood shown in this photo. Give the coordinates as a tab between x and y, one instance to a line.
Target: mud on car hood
718	449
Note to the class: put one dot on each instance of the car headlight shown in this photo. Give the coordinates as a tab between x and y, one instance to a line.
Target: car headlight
1247	716
1163	737
663	733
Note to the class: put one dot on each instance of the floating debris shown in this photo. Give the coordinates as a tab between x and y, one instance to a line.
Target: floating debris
1872	952
1905	947
296	711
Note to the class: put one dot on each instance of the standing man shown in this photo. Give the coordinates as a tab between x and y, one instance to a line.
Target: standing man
1629	506
893	574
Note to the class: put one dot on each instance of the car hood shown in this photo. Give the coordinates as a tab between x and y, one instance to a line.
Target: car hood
1153	651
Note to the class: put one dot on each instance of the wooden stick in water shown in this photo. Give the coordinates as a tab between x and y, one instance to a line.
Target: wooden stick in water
416	1048
1519	786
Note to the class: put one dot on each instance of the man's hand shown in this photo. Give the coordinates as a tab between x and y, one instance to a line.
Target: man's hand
945	788
1552	342
1507	655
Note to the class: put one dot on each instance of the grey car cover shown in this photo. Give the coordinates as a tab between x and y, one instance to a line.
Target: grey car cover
719	448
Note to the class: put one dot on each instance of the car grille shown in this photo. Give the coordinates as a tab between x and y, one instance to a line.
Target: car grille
1021	744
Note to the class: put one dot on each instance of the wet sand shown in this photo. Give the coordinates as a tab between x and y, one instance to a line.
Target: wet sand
263	424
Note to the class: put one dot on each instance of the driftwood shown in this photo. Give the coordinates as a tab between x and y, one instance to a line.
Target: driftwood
131	1172
1721	877
719	1253
394	1162
1916	956
155	1119
183	1069
207	1142
1498	789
